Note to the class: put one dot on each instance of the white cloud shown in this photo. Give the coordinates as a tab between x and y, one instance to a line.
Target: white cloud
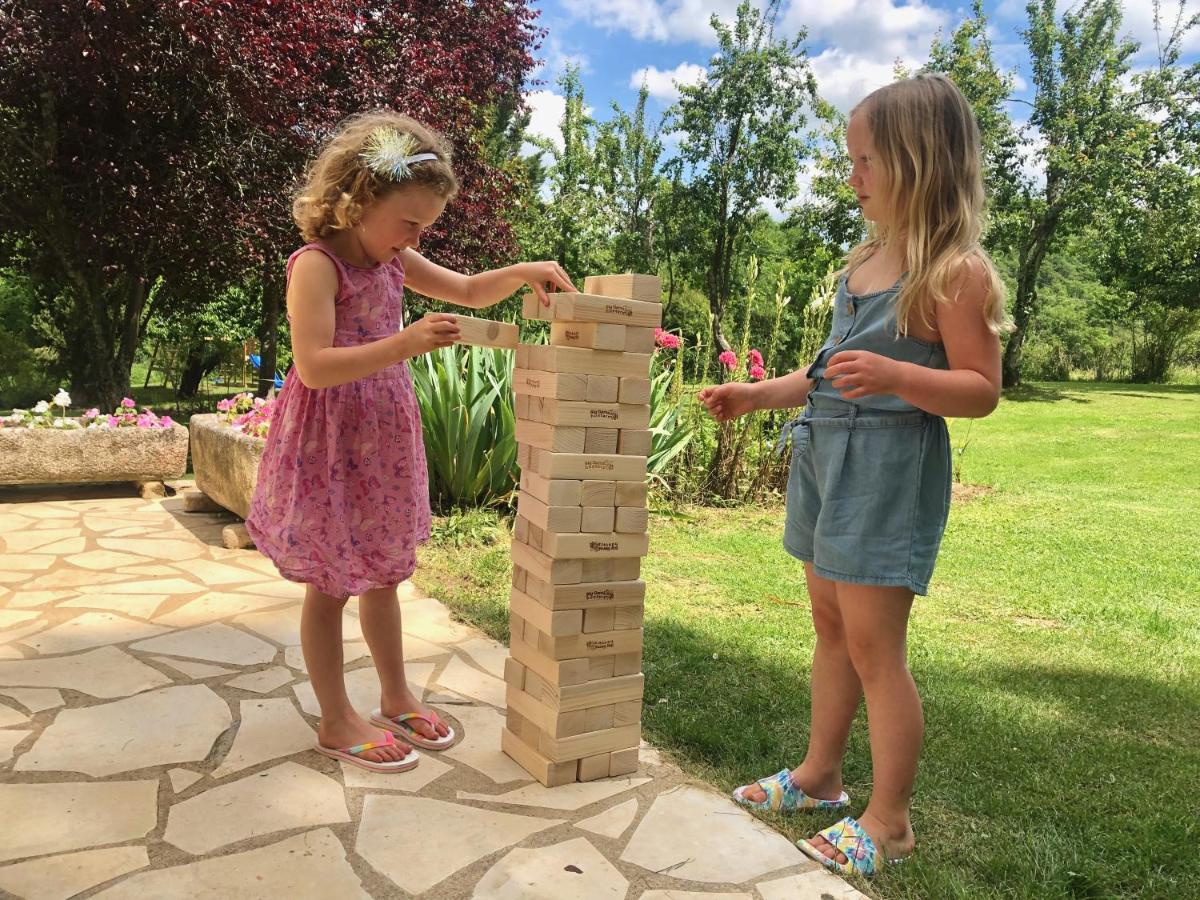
556	58
1138	23
547	109
877	30
845	78
663	84
671	21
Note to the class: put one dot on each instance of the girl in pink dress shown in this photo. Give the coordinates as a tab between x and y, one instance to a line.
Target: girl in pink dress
343	499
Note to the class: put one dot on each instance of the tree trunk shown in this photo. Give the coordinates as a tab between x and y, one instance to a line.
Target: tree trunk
268	338
202	358
1029	266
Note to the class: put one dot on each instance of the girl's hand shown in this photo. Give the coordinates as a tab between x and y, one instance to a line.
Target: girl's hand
543	275
728	401
861	374
430	333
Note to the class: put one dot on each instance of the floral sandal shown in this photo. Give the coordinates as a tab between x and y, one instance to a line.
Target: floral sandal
784	796
398	725
851	839
351	755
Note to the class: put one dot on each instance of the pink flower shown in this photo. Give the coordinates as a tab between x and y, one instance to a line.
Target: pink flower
225	405
728	359
166	422
755	358
757	373
91	413
113	421
666	340
128	403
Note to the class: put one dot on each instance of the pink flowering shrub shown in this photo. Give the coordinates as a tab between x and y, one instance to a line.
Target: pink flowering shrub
126	415
757	373
756	358
728	359
666	340
248	414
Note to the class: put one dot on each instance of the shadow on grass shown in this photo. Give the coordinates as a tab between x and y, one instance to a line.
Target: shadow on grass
1039	393
1037	781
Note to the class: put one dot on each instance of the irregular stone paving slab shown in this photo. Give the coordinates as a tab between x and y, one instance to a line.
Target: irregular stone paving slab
61	877
167	571
279	625
464	679
99	560
24	599
285	797
141	606
10	716
29	562
173	725
106	673
167	550
208	572
193	670
452	836
12	523
93	629
214	606
572	869
480	748
216	643
269	729
352	651
182	779
56	818
815	885
488	655
701	836
262	682
11	635
10	617
11	653
8	576
309	865
35	699
430	769
565	797
65	546
280	588
103	584
9	739
362	687
691	895
611	823
430	620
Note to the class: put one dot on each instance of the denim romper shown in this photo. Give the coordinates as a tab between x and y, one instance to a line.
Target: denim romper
869	489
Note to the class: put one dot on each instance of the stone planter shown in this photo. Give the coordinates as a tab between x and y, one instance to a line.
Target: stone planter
89	456
225	462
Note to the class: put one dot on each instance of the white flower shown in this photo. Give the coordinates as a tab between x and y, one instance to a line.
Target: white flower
59	423
41	408
62	398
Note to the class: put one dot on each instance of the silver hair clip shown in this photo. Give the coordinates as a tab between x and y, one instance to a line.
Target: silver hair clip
389	153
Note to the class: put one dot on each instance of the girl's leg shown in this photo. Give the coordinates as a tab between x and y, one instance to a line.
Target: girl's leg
876	622
321	637
836	691
379	613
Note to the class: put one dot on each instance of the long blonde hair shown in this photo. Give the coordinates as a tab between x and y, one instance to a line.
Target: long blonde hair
927	142
338	185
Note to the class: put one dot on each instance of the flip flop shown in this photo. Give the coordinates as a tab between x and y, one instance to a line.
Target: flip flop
783	795
398	725
351	755
850	838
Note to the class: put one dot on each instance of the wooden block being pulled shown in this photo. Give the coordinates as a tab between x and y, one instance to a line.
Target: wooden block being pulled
486	333
555	385
602	388
589	743
595	692
639	340
601	440
583	646
627	616
600	619
572	360
552	622
634	390
594	466
546	719
555	438
597	519
554	671
556	492
629	493
545	568
647	288
583	546
634	442
584	595
590	335
549	518
634	416
550	774
566	307
627	663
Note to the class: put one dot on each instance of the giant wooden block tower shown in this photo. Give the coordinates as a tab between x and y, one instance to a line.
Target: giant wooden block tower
575	673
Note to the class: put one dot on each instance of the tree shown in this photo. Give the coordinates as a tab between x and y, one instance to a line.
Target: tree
742	142
628	160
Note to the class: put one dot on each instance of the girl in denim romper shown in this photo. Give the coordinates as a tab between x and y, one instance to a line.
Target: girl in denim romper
916	321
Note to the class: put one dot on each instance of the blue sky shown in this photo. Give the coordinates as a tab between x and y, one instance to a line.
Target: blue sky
852	44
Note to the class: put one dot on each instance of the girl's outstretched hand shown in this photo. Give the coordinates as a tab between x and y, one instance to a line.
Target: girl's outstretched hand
544	277
433	331
728	401
859	373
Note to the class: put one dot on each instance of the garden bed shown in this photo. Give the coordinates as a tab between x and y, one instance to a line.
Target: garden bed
225	462
92	455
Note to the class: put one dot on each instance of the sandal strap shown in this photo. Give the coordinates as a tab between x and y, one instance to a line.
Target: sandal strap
432	718
387	741
851	839
781	791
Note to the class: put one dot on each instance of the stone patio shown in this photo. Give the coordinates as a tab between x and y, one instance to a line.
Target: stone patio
156	725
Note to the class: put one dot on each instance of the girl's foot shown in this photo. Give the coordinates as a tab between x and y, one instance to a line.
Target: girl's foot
894	842
354	730
390	707
826	788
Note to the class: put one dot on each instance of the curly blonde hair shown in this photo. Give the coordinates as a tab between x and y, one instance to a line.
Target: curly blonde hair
339	186
928	142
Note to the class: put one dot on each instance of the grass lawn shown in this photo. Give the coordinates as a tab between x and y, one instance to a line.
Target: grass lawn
1058	653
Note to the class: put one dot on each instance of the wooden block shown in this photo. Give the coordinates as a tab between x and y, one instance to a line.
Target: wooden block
600	619
590	335
634	390
556	492
522	727
550	774
592	768
628	493
627	569
598	718
647	288
597	519
589	743
626	713
514	673
524	455
572	360
534	535
593	692
555	385
593	595
601	440
567	307
521	530
545	719
544	568
602	668
550	621
634	442
626	617
630	519
561	672
602	388
627	663
549	518
588	466
639	340
521	406
593	415
598	493
623	762
554	438
582	546
584	646
486	333
520	578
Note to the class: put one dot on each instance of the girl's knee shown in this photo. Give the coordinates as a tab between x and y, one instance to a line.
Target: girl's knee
875	658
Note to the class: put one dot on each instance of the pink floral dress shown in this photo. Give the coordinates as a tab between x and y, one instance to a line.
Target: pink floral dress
342	500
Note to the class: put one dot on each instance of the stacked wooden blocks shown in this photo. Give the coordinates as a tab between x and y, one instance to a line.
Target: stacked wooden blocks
574	677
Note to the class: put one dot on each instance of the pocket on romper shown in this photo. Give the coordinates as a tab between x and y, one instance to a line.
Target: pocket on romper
801	439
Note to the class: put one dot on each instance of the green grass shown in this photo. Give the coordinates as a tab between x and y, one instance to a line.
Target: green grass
1058	653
